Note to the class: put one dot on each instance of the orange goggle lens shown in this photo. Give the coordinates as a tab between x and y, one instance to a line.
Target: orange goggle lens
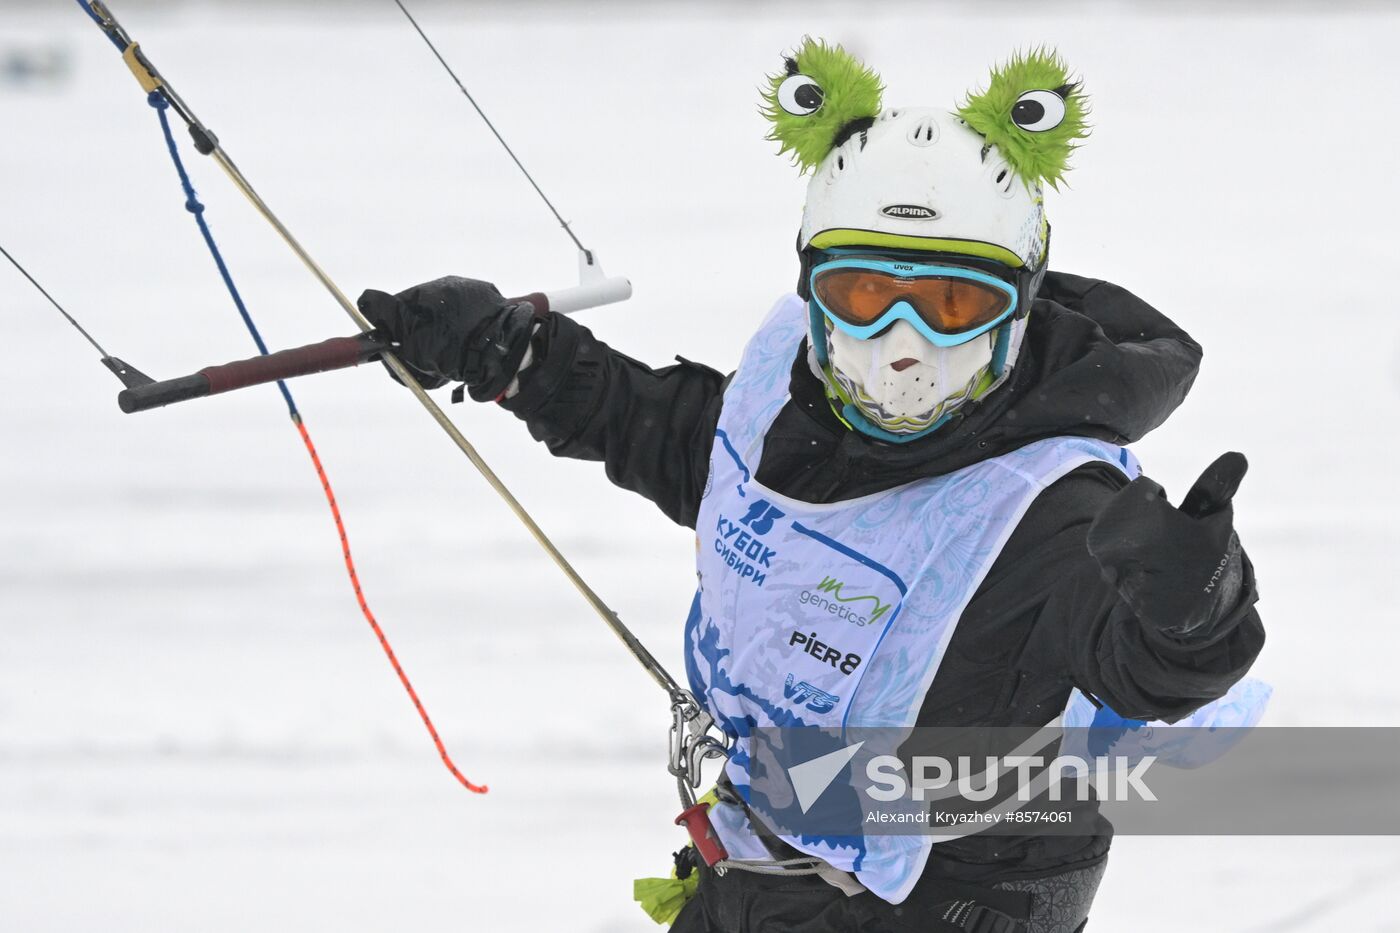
946	304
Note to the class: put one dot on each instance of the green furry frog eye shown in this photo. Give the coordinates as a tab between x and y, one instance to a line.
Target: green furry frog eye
1038	111
799	95
1033	113
819	95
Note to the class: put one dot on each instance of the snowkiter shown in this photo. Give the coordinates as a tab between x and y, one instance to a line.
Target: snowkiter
925	442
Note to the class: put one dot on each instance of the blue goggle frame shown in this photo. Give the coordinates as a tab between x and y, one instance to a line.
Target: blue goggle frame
903	310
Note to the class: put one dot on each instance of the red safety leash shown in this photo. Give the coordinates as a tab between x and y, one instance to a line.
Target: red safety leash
369	614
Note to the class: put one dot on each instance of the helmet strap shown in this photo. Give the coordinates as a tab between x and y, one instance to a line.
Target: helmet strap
804	259
1001	348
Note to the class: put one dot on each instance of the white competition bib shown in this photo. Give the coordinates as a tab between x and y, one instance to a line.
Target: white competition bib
838	615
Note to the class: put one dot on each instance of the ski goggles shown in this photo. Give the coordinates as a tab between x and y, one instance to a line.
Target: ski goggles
948	303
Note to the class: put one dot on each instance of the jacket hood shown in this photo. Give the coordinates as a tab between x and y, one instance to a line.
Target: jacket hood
1096	361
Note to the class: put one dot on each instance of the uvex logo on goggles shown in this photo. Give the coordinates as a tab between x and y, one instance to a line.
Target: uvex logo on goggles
947	303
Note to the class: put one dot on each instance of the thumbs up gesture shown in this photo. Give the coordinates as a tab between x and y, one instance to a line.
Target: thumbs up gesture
1180	569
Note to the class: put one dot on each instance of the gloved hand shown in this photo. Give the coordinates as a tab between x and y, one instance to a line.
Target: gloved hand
1178	569
454	330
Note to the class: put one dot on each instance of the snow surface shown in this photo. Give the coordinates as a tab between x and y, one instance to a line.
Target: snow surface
197	731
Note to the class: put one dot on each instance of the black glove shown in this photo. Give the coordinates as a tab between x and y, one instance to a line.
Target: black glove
454	330
1179	570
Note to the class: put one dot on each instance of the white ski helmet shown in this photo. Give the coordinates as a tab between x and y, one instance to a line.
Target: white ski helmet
927	182
922	179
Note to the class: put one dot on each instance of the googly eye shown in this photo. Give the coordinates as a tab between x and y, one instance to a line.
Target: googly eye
799	95
1038	111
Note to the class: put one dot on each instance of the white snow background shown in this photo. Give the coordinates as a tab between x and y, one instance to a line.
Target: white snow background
197	729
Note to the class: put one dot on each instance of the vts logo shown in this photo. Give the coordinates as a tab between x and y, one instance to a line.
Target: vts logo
761	516
803	693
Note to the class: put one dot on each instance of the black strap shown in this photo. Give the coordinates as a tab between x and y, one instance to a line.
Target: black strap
975	917
978	909
687	860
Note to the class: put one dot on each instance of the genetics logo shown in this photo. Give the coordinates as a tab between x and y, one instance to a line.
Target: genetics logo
827	596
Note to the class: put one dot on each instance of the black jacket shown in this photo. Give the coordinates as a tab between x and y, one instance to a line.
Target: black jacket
1096	361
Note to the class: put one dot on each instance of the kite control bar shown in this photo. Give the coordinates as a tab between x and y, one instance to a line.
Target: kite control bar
336	353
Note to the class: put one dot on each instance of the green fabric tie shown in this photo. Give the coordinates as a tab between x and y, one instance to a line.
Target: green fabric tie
663	898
